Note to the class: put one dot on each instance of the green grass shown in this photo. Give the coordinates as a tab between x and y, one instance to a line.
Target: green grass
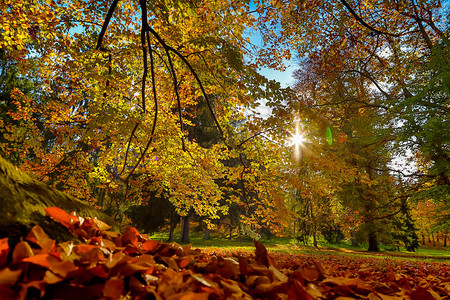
290	245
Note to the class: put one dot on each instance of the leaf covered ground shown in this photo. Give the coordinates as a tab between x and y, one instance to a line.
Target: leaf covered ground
129	265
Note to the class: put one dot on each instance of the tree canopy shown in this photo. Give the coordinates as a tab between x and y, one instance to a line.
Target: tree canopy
121	103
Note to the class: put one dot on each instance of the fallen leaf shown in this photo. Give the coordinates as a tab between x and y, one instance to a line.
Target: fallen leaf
4	250
189	296
261	253
40	238
185	262
310	274
21	250
297	291
39	259
130	237
113	288
150	246
421	293
9	277
61	216
101	225
62	268
278	275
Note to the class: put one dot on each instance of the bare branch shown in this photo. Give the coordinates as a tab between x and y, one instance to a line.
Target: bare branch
106	23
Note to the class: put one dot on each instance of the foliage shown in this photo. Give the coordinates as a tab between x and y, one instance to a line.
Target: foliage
113	112
369	70
120	103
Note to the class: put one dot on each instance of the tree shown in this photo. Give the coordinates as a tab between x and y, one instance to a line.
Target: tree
360	60
97	77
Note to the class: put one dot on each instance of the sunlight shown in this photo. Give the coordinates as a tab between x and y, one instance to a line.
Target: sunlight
298	139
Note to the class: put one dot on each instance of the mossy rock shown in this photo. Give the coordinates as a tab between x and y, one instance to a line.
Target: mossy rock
23	201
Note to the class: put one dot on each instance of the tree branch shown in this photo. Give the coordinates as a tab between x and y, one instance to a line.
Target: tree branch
106	23
361	21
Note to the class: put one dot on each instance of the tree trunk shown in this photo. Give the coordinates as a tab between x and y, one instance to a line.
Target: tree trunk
172	226
315	239
185	228
445	239
207	233
423	239
373	242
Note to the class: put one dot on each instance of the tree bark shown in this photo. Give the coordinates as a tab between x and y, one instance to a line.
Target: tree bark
207	233
172	226
185	228
373	242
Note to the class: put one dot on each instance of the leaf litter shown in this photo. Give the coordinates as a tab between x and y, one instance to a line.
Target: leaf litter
130	265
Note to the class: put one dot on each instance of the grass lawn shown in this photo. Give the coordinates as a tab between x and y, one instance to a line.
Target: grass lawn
290	245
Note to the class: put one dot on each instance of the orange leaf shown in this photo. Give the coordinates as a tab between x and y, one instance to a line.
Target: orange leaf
40	260
4	250
187	249
150	246
183	263
61	216
40	238
189	296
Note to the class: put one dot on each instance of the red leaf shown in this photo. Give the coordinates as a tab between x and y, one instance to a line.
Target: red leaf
8	293
421	293
61	216
297	291
130	236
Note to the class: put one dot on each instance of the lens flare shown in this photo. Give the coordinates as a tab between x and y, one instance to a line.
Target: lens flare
298	141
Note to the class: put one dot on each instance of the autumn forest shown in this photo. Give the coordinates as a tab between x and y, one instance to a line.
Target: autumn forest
160	117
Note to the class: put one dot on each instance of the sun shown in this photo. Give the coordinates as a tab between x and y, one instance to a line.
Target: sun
298	139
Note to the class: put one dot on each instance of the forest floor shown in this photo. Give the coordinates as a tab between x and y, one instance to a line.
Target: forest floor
132	265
